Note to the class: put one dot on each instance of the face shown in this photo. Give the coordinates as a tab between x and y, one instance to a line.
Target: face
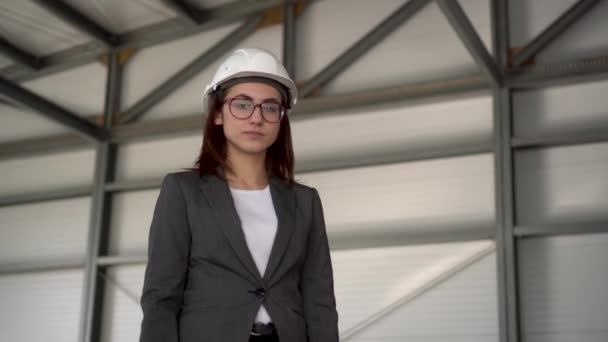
254	134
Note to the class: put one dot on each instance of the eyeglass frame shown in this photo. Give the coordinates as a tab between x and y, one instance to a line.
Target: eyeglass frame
255	105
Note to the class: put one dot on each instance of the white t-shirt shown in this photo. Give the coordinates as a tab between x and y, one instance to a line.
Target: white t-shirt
259	222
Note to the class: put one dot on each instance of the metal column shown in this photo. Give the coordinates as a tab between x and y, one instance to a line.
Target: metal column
506	249
101	203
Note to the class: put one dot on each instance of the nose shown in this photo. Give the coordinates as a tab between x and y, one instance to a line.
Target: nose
256	116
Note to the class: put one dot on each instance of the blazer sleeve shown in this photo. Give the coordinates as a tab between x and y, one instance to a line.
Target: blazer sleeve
168	257
317	283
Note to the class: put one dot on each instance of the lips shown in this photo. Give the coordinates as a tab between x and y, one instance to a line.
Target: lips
253	133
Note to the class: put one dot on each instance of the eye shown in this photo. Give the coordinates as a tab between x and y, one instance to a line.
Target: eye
242	104
271	107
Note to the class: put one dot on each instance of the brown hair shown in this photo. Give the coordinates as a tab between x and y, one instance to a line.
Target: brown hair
279	156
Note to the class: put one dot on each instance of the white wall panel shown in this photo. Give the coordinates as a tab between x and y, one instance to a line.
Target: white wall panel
392	129
562	184
462	308
122	313
558	110
131	219
563	288
19	123
398	272
41	306
154	158
586	38
369	280
424	48
44	230
166	59
454	194
47	172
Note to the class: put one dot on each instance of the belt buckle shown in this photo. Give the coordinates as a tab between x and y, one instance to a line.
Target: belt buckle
260	325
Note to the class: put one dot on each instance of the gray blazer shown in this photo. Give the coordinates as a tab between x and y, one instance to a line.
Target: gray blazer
201	283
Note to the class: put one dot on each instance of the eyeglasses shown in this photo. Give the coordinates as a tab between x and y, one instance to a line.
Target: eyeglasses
243	109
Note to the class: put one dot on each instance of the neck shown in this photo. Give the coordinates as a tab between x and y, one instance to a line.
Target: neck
247	171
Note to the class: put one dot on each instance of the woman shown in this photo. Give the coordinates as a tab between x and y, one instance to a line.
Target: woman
237	250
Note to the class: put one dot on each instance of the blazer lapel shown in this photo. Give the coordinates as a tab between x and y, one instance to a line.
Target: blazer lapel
220	200
283	199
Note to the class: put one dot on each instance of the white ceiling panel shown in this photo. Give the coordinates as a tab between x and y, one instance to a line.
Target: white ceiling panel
119	16
19	123
5	61
586	38
80	90
152	66
36	30
167	59
425	47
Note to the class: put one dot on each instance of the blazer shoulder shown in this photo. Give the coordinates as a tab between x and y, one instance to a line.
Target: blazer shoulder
304	190
184	178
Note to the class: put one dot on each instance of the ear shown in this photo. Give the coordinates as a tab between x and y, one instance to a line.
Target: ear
218	120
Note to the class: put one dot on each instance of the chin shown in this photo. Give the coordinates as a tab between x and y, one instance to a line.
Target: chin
252	148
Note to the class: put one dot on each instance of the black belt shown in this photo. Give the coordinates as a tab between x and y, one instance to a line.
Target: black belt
261	329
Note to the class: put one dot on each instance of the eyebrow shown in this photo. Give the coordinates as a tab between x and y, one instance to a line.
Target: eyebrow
247	97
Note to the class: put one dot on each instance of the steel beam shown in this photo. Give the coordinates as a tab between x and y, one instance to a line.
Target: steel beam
76	19
289	39
468	35
54	195
153	34
411	92
37	146
117	260
333	165
19	55
184	9
570	139
561	229
553	31
357	241
141	185
371	39
101	203
380	159
51	110
40	266
561	73
306	109
189	71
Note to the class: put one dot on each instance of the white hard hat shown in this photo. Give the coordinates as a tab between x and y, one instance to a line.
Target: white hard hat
248	62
